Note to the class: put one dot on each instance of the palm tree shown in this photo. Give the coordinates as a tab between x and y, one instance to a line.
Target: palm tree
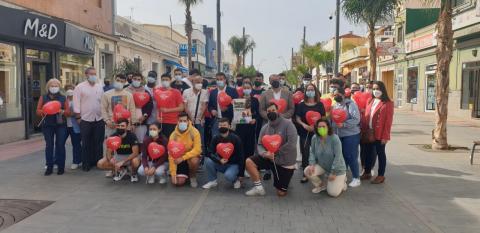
188	26
237	45
370	12
249	44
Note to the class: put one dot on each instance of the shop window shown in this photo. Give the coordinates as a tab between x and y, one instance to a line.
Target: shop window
155	66
10	103
400	34
457	3
72	67
412	85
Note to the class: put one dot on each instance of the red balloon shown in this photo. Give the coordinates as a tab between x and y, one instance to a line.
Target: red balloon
240	92
162	97
272	142
348	92
313	117
141	98
339	116
225	150
155	150
119	112
298	97
176	149
361	99
327	104
52	107
113	143
281	103
224	100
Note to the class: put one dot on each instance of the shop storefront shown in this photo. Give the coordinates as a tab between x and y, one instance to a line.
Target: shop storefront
34	49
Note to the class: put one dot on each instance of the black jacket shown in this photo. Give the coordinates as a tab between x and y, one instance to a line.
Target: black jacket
237	156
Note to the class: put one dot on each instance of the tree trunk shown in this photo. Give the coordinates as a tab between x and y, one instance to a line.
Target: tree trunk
237	66
444	56
188	30
373	52
243	59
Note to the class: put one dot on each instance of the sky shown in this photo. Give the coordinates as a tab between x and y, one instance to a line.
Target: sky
275	25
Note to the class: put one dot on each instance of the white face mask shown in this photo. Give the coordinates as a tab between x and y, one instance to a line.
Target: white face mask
165	84
136	83
69	93
377	93
282	82
198	86
178	77
118	86
153	133
54	90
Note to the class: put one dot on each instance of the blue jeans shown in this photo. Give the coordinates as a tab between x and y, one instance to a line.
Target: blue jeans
55	137
215	127
374	149
76	139
201	130
350	153
230	171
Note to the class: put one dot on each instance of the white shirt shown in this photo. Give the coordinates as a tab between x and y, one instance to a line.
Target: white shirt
87	100
277	95
190	100
219	112
374	106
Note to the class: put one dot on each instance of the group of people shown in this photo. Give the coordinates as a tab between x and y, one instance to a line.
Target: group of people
169	127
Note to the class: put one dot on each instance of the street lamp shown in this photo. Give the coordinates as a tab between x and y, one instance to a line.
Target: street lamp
337	34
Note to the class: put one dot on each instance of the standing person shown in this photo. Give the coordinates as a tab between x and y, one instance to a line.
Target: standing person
229	167
326	159
73	130
354	88
239	80
187	77
282	163
334	85
246	130
107	86
150	86
178	82
126	156
306	80
311	102
168	115
87	98
377	127
277	93
54	127
283	81
258	84
141	113
349	133
214	107
152	168
185	167
196	101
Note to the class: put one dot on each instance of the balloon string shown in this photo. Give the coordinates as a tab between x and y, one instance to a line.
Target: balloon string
275	168
41	121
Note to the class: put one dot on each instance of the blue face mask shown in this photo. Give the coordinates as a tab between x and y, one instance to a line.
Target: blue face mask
247	91
92	79
310	94
118	86
221	84
136	83
182	126
151	80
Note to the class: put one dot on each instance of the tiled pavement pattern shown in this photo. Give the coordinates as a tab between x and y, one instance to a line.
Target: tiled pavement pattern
424	192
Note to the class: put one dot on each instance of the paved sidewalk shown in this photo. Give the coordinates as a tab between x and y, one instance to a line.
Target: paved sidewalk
424	192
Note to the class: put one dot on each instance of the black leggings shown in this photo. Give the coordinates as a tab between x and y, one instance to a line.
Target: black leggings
305	148
373	150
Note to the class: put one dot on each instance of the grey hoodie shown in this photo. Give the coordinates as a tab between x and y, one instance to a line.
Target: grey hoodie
351	126
287	154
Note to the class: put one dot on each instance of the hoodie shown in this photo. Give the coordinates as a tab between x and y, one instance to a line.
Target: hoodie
237	156
192	142
351	126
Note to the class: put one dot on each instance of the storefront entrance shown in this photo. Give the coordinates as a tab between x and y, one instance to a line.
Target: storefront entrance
430	84
471	88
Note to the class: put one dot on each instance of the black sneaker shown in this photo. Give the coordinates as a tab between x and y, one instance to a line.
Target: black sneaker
304	180
61	171
49	171
267	176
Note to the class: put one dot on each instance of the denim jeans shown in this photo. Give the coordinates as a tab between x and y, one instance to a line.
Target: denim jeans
201	130
214	127
55	137
373	150
350	153
230	171
76	139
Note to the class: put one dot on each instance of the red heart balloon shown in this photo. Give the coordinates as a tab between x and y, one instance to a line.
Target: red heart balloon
298	97
348	92
141	98
327	104
272	142
281	103
339	115
176	149
119	112
113	143
162	97
360	99
52	107
155	150
224	100
240	92
313	117
225	150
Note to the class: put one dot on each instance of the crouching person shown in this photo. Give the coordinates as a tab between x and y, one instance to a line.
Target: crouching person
218	161
185	167
326	159
151	165
126	156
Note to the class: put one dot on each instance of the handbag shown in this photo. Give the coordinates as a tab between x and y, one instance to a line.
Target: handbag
368	136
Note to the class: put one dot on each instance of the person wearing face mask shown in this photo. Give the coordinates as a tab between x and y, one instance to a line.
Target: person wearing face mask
283	81
349	133
154	168
125	157
282	163
196	100
354	88
277	93
54	127
185	167
87	107
258	84
376	129
168	115
144	112
326	159
214	107
305	131
178	82
215	163
239	80
73	130
107	86
149	87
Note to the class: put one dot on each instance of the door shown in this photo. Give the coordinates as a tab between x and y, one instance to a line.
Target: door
430	92
38	74
476	93
399	88
387	78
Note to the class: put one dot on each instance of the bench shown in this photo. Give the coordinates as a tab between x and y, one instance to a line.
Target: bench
475	143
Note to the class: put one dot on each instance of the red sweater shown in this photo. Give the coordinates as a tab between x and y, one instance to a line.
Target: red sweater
162	140
382	119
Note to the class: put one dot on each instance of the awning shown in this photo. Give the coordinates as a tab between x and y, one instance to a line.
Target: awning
174	63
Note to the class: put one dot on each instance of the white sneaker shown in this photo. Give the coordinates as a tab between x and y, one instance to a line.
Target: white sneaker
210	184
246	174
150	179
256	191
109	174
162	180
345	186
319	189
355	183
237	184
134	178
193	182
119	176
74	166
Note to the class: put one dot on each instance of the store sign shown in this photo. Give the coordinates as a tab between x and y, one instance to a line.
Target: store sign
43	30
466	18
79	40
383	48
183	48
421	42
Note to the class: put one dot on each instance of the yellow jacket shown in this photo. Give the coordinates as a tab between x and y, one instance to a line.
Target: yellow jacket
192	142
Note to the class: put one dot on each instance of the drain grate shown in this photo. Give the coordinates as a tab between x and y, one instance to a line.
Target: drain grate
13	210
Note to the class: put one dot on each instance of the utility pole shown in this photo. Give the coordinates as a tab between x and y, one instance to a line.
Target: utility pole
171	28
243	57
291	61
337	39
251	60
219	39
304	43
